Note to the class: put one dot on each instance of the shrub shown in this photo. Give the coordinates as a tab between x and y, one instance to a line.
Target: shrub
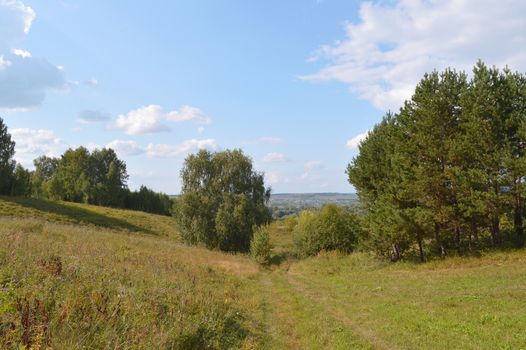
260	246
332	228
290	222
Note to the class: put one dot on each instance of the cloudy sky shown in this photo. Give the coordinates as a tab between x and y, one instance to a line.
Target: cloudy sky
295	84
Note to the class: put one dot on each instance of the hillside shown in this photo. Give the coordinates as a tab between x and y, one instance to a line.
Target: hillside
77	276
284	204
84	214
312	199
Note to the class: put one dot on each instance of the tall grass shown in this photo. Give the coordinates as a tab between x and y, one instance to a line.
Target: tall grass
72	287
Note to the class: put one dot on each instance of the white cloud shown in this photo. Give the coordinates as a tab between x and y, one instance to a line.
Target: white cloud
149	119
92	146
91	82
200	129
89	116
396	42
354	142
32	143
271	140
125	148
4	63
24	80
275	157
188	113
172	151
272	177
15	22
310	168
21	53
144	120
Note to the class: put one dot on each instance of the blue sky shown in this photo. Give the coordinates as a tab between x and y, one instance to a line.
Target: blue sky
295	84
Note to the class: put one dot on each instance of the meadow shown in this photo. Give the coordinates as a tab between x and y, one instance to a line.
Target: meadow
75	276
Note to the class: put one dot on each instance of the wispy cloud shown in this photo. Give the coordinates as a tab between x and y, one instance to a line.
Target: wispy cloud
275	157
270	140
152	119
355	141
90	116
32	143
24	79
386	53
153	150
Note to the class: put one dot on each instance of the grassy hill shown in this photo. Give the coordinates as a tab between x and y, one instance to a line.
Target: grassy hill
84	277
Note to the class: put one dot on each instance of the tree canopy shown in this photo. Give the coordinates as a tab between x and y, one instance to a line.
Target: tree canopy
222	199
447	172
7	164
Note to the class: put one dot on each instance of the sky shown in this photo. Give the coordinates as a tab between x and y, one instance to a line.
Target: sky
296	84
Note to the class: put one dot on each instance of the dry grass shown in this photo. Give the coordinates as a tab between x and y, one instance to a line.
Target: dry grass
67	286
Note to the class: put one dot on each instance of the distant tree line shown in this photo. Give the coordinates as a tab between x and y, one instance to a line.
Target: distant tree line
447	172
97	177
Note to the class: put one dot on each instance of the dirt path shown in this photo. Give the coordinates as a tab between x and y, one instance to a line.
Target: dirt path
337	313
281	325
299	319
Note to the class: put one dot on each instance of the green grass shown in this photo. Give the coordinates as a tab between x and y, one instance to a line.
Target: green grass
84	214
81	277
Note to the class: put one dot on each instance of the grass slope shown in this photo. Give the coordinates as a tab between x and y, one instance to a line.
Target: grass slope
84	214
83	277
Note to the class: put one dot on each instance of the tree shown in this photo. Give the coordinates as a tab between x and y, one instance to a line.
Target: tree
148	200
7	164
108	178
21	183
222	199
45	168
445	172
71	180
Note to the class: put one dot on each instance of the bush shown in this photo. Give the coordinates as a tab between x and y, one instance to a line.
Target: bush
290	222
260	246
332	228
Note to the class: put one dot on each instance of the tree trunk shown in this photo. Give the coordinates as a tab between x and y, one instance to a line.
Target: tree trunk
439	241
495	231
395	253
519	230
457	239
421	248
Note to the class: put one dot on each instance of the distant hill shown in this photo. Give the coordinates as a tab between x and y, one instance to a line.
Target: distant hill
284	204
313	199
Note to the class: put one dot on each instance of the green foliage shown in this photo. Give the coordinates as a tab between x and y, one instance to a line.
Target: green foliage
290	222
21	185
7	164
333	228
99	178
222	199
148	200
260	246
442	174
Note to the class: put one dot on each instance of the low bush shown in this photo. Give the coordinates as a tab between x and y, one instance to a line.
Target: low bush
332	228
260	246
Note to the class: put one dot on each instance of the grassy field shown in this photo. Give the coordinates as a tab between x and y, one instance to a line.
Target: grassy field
82	277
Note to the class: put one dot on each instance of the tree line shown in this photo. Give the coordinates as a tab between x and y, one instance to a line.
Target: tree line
446	174
97	177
